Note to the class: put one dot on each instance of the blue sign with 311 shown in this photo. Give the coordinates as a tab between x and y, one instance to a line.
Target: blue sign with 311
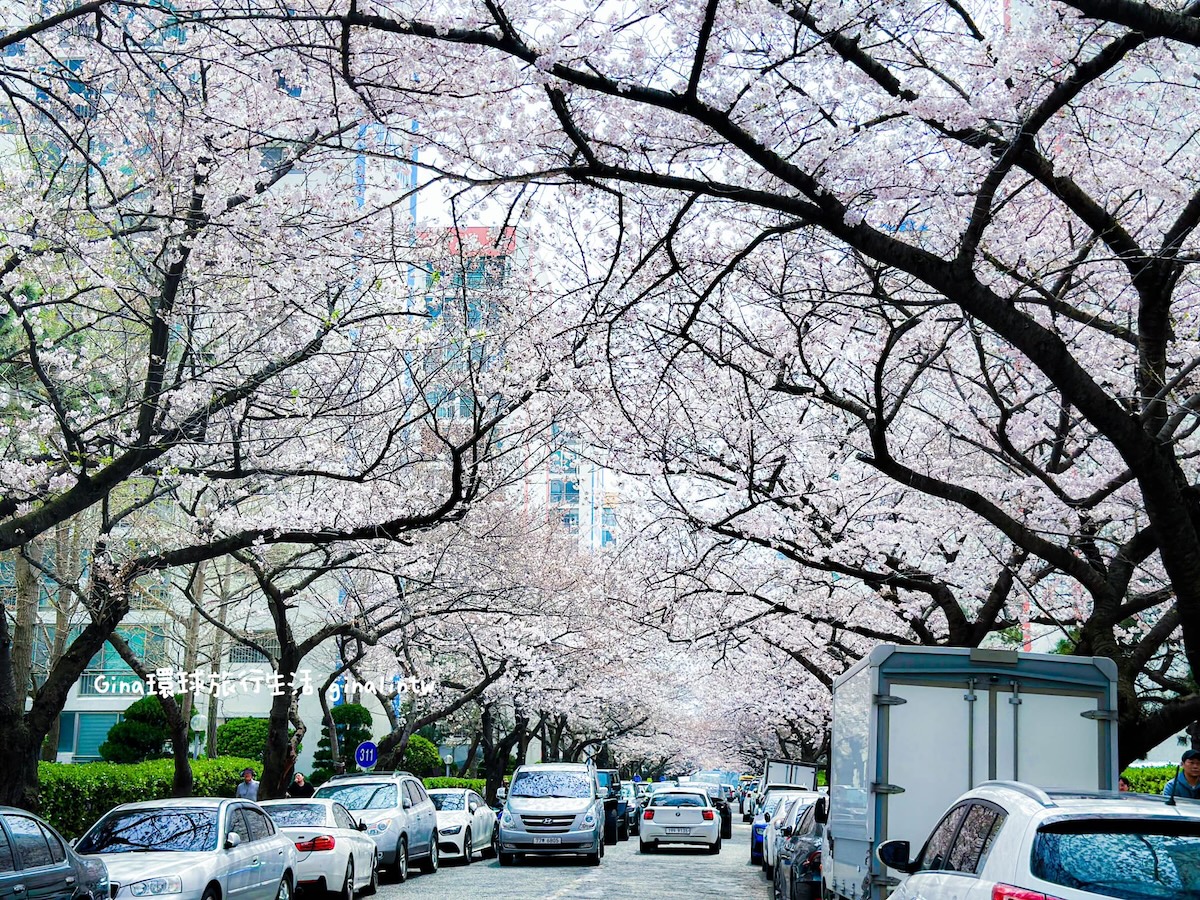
366	755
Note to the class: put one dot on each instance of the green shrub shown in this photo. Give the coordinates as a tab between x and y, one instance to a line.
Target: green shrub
353	721
1149	779
74	796
246	737
421	757
478	785
142	734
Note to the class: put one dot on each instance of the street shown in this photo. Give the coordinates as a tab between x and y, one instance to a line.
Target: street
671	874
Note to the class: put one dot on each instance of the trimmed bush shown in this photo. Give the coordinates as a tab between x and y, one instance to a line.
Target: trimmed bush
1148	779
353	721
74	796
245	737
143	733
478	785
421	757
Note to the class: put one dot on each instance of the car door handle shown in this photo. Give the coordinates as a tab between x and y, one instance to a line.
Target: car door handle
70	879
18	888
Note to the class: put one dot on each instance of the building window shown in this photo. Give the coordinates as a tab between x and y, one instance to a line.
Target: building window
240	654
91	732
564	491
571	522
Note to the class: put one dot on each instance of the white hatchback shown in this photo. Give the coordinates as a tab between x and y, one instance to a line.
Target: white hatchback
1009	841
679	816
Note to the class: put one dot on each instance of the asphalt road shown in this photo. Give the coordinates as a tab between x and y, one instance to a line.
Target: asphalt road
671	874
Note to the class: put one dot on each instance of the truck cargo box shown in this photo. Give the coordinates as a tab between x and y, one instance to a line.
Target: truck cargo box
915	727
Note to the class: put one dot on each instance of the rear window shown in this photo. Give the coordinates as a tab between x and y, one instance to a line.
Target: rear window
296	814
678	800
1127	858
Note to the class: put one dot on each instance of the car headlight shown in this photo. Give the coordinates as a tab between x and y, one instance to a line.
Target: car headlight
379	827
450	829
153	887
507	820
589	819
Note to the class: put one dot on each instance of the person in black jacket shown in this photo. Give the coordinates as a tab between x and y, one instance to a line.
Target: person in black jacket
300	788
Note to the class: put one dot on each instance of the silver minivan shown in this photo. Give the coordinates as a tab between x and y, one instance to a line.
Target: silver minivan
551	809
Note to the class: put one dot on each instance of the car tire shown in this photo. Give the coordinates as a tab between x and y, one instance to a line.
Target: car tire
468	850
429	864
647	847
746	817
610	830
210	893
727	827
400	867
507	859
715	847
593	859
347	889
623	830
493	849
284	891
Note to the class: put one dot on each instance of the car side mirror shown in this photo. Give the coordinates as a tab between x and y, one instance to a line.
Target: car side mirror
361	826
406	803
787	831
821	813
232	840
474	807
73	841
766	817
895	855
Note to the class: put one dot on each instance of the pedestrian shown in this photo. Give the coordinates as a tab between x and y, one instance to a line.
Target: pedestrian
248	789
1186	783
1123	784
300	788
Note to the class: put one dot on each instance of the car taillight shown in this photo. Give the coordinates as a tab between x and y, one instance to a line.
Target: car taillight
812	862
1010	892
324	842
708	815
649	814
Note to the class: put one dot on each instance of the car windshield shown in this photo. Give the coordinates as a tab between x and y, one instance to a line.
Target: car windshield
678	800
448	800
1128	858
290	815
361	796
550	784
157	830
772	801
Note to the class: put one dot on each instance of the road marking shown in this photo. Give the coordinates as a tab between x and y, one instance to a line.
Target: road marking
572	889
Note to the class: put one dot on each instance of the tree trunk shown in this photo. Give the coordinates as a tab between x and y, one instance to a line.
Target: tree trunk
28	589
465	769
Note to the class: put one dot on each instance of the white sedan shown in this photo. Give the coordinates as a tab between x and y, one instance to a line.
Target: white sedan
679	816
466	824
333	854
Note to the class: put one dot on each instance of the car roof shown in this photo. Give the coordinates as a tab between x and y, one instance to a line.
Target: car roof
563	766
323	801
1065	803
448	790
180	803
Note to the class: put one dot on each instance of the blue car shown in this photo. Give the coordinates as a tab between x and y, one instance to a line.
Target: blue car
767	809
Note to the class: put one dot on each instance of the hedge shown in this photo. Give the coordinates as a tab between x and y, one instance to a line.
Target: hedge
74	796
478	785
1149	779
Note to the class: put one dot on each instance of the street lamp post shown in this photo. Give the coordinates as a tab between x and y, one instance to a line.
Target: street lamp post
448	759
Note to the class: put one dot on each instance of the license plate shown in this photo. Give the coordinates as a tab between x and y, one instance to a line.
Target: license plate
679	831
547	840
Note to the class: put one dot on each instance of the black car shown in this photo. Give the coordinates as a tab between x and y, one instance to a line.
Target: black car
716	795
798	861
36	862
616	811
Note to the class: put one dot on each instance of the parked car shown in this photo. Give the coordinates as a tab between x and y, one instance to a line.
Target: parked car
333	854
683	815
766	809
553	808
798	859
748	799
785	813
201	847
398	814
466	824
616	828
1011	841
36	862
716	796
629	793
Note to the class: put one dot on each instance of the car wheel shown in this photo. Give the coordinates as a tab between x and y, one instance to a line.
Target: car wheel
506	859
610	830
429	865
347	891
285	889
401	867
647	847
715	847
593	859
211	893
623	830
468	850
494	849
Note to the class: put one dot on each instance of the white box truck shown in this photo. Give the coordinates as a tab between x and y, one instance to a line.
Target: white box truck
916	727
787	771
